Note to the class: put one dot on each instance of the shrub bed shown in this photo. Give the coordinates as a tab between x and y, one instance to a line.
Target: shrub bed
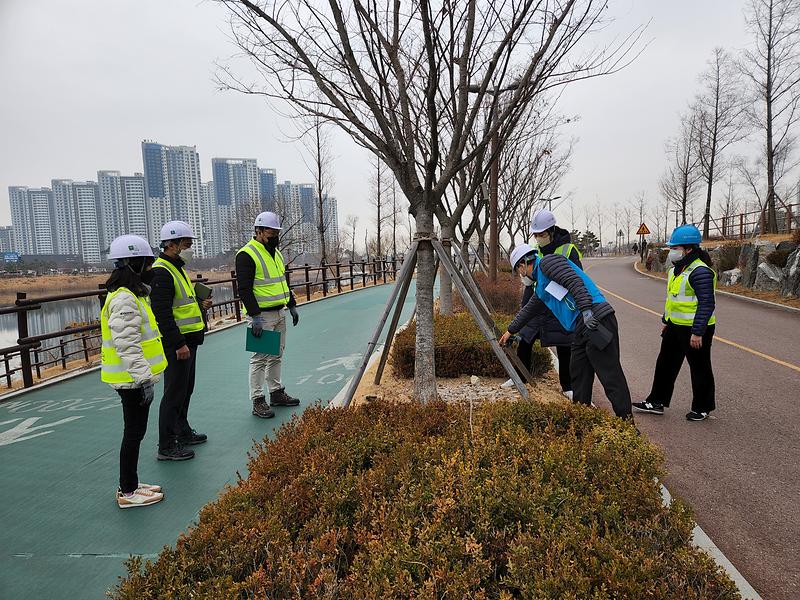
504	296
460	349
541	501
778	258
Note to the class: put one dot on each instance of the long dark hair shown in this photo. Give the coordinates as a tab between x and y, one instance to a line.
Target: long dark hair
699	252
127	276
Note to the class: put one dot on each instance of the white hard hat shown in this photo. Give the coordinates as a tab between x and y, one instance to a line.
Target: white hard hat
269	220
176	230
542	221
129	246
519	252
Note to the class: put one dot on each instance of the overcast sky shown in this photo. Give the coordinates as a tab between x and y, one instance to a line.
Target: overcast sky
84	81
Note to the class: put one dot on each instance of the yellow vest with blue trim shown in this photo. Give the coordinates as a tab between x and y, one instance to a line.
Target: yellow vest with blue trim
269	286
681	305
185	308
111	368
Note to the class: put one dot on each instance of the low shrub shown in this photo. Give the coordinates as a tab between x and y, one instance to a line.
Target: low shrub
728	257
504	296
779	258
460	349
405	501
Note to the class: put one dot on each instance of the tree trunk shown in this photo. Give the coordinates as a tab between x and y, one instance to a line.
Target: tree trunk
465	251
772	217
445	280
424	365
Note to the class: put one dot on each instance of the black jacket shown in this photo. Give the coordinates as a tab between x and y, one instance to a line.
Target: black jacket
702	282
245	274
543	325
161	297
559	269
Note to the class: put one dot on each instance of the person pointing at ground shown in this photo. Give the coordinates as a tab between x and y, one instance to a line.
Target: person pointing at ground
265	293
579	306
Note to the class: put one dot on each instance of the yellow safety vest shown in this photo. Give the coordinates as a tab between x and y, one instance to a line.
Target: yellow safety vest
564	250
681	305
111	368
269	286
185	308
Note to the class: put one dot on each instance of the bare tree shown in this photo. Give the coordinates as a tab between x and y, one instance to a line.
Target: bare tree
729	205
317	142
679	183
772	69
412	84
380	202
350	227
720	110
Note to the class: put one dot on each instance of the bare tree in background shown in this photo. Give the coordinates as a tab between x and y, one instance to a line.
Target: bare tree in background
412	83
720	110
350	226
380	201
679	183
772	69
729	204
317	142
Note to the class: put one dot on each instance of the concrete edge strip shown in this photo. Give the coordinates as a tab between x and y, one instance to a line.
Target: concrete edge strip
701	540
731	294
83	371
338	400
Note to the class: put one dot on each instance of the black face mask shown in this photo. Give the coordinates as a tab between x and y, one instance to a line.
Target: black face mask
147	277
272	243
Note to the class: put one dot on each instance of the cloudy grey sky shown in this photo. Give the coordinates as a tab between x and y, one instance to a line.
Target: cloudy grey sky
84	81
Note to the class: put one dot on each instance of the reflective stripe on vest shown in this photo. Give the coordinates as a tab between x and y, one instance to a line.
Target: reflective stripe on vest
269	285
564	250
680	307
185	308
112	369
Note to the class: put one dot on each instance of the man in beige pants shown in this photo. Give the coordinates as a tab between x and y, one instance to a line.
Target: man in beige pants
265	293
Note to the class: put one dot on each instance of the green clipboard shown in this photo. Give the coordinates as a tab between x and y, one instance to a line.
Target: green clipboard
268	343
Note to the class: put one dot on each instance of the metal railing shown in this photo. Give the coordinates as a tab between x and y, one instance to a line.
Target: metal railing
747	224
81	343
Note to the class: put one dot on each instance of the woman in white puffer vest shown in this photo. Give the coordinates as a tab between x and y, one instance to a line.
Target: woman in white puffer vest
132	358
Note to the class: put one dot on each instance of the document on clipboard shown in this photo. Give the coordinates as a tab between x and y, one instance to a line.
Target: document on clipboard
556	291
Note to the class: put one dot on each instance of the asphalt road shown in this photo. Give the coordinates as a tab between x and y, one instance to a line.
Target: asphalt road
739	470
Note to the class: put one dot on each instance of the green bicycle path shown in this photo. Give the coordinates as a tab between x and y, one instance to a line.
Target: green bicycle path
61	533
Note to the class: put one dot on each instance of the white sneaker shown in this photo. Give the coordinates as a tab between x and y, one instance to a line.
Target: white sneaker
140	497
568	395
509	383
149	486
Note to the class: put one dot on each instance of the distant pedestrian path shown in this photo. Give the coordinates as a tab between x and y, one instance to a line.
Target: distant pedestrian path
61	533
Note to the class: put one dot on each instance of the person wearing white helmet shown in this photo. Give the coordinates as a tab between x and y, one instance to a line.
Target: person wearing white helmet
543	325
265	293
132	359
182	323
579	305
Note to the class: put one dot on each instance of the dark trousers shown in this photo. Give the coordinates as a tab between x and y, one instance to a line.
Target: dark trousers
178	388
135	419
674	348
564	353
588	360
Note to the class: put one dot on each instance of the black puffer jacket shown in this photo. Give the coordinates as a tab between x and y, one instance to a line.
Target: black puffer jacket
543	326
702	282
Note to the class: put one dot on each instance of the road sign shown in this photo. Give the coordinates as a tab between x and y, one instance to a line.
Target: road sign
643	230
10	257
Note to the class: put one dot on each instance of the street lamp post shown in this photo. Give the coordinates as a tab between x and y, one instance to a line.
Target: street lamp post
549	202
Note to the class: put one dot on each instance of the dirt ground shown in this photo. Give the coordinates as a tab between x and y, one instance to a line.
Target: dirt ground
460	389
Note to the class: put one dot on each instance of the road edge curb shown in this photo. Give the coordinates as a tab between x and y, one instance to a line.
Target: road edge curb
729	294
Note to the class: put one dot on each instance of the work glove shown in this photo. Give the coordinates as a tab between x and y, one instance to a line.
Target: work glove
258	326
590	320
148	392
295	316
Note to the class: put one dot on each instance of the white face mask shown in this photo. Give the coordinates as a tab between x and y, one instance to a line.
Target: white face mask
542	240
526	281
186	255
675	255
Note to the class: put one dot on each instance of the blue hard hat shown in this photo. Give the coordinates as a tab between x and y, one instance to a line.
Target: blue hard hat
685	235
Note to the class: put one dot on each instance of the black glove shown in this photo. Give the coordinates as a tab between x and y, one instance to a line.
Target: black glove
148	392
295	316
590	320
258	326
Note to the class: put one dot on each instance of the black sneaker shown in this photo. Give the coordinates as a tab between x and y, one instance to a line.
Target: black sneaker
696	416
261	408
193	438
281	398
175	452
654	408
